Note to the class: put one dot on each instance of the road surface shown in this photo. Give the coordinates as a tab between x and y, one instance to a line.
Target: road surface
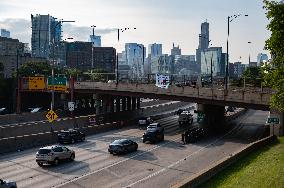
153	165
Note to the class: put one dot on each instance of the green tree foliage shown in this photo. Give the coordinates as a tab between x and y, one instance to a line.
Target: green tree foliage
100	75
274	76
72	72
35	68
253	76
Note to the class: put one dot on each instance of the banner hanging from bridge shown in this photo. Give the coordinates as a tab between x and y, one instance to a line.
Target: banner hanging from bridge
162	81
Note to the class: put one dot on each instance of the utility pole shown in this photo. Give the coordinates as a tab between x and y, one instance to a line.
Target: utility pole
52	71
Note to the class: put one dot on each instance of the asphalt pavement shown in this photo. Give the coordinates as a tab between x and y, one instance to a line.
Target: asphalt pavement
153	165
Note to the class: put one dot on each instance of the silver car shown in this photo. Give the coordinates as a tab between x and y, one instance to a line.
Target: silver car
7	184
53	155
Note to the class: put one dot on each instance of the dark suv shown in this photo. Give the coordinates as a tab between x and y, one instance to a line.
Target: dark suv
192	135
70	136
154	133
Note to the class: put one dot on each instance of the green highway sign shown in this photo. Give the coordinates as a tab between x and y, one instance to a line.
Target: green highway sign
273	120
62	81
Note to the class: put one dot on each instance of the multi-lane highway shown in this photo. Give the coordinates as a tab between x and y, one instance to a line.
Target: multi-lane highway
153	165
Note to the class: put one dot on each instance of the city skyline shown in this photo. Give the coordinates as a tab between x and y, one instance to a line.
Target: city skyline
159	21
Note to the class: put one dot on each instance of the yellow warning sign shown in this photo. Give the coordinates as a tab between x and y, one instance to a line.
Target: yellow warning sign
36	83
51	116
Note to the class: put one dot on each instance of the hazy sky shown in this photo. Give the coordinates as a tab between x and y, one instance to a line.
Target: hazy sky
160	21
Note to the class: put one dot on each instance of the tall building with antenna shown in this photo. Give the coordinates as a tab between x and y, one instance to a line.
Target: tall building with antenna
203	43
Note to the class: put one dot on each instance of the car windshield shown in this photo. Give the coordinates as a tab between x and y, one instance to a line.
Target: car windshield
64	133
120	141
44	151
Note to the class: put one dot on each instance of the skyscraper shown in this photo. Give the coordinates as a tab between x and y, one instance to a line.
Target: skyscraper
261	58
155	49
175	50
213	56
204	36
203	43
46	35
5	33
135	54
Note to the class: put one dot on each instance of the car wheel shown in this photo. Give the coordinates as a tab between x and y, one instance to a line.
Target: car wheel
55	162
72	141
72	157
40	164
143	141
163	138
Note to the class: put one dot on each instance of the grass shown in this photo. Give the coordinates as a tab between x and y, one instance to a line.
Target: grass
261	168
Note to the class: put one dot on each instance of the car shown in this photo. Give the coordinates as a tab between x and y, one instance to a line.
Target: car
179	111
37	109
143	122
70	136
7	184
154	134
231	109
3	111
53	155
154	126
185	118
192	135
122	146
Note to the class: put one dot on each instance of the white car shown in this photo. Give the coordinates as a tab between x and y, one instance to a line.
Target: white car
7	184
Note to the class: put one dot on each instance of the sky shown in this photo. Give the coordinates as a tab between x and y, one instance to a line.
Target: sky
157	21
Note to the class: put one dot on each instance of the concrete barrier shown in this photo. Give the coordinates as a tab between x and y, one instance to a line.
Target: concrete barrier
215	168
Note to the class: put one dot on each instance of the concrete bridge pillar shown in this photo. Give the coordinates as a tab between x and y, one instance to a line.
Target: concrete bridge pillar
124	104
98	104
138	103
134	103
212	116
111	105
128	103
117	104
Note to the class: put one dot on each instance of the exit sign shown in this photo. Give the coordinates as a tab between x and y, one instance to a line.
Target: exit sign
273	120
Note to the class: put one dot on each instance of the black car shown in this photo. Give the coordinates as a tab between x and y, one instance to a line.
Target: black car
70	136
153	135
192	135
122	146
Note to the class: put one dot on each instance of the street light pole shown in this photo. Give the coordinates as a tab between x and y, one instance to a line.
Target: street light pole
52	71
92	65
118	37
229	19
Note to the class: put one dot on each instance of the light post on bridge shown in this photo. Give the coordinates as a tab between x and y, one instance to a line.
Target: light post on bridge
229	19
118	37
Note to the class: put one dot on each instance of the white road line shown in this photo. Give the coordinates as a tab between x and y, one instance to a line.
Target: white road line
177	162
116	163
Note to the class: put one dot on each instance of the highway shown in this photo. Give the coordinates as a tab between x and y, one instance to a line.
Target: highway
153	165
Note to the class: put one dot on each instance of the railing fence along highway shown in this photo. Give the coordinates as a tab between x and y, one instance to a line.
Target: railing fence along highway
257	96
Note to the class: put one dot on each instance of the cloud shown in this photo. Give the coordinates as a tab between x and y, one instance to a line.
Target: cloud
82	33
21	29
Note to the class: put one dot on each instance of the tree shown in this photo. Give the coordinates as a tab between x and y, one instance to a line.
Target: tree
253	75
72	72
274	72
35	68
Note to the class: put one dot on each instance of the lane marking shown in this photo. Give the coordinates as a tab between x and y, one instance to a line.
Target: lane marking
179	161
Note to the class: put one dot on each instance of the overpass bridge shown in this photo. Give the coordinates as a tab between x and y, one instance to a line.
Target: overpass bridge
116	97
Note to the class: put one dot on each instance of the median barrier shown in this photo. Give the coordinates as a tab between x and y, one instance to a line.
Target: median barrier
212	170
